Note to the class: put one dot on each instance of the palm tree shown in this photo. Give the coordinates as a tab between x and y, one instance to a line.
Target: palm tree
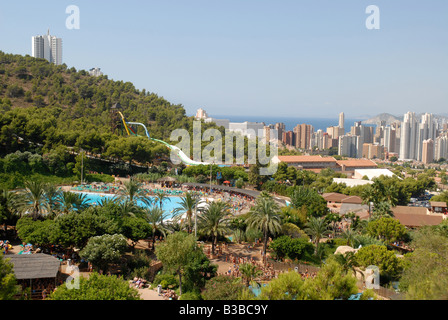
173	226
265	217
348	262
333	219
52	194
392	194
382	209
133	191
188	204
349	235
161	197
368	196
107	201
249	272
317	228
32	199
129	208
71	201
155	217
8	211
214	221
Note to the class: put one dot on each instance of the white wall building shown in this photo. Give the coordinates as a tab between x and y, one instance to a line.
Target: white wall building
409	137
441	148
342	122
95	72
352	182
372	173
413	133
47	47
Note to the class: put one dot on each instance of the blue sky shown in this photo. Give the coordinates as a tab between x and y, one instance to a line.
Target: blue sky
302	58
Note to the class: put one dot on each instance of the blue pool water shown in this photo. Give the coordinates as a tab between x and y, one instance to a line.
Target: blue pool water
168	205
257	290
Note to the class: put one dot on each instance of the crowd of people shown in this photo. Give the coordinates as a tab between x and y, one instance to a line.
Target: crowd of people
267	270
305	275
238	202
401	245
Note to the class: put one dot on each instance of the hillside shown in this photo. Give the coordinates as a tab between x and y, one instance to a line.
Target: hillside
389	118
52	105
49	113
79	99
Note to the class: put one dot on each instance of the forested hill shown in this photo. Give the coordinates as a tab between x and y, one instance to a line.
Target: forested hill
51	105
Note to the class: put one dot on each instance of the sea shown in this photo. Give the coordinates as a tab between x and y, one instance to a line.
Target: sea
290	123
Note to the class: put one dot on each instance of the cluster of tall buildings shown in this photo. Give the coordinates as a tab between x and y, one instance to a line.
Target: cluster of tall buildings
304	137
415	138
47	47
423	139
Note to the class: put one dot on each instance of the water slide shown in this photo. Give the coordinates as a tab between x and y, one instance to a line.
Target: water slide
182	156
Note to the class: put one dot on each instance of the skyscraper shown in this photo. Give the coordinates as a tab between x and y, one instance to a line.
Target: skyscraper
428	151
288	138
409	136
321	140
365	135
280	127
427	131
414	133
342	122
441	147
389	140
348	145
47	47
303	134
335	132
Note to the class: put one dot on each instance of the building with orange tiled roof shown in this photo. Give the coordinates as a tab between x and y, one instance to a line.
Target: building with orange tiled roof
312	163
415	217
334	197
353	164
317	163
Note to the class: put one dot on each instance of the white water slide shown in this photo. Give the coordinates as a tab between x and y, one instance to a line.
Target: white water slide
182	156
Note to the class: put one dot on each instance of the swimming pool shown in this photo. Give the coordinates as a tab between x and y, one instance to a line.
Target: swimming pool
169	204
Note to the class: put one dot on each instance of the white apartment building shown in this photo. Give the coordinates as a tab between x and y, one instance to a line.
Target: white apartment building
95	72
413	133
441	147
409	137
47	47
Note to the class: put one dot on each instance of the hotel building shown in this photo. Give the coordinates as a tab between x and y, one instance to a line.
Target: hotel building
47	47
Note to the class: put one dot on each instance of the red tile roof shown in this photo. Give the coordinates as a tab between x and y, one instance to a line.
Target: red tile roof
416	216
357	163
341	198
438	204
292	159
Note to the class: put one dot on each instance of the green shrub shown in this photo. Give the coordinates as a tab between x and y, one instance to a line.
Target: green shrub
339	242
96	177
142	272
191	296
166	281
293	248
222	288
